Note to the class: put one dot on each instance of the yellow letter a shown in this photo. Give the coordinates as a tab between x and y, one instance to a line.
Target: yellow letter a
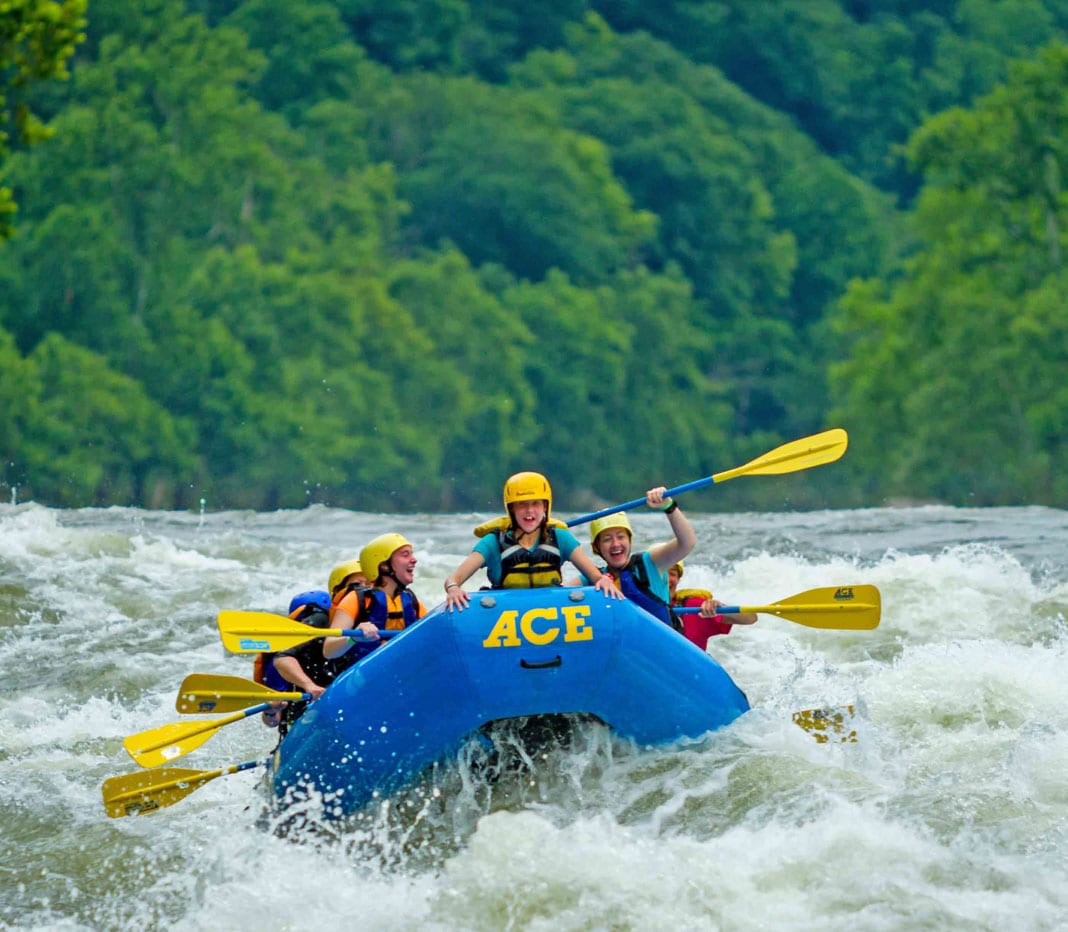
504	633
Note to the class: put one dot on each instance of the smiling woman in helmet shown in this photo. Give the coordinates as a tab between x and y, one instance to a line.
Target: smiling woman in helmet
642	577
389	564
529	552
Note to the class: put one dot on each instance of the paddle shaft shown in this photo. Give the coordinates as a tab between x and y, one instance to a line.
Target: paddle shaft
845	608
814	608
169	742
261	632
790	457
638	502
192	729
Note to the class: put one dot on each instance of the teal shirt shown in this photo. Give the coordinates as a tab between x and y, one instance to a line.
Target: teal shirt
490	549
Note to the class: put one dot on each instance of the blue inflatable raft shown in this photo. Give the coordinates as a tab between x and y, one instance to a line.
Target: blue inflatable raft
512	653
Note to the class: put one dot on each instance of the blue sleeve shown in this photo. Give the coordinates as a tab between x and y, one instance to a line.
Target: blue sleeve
490	550
567	542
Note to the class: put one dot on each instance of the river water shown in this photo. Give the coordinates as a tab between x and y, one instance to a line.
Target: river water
950	811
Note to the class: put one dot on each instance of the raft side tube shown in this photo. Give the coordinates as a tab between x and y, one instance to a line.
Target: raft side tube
512	653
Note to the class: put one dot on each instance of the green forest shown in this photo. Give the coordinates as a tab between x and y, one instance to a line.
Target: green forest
380	254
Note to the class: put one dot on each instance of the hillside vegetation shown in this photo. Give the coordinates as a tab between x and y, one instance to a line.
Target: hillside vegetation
382	254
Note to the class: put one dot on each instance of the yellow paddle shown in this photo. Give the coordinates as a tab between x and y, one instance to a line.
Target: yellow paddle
255	632
794	456
845	608
208	692
169	742
148	790
828	726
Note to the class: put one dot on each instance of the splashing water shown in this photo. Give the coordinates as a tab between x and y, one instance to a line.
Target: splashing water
949	812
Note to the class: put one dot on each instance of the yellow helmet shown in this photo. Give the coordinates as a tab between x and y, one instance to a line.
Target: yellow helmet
528	487
341	572
619	519
678	567
379	551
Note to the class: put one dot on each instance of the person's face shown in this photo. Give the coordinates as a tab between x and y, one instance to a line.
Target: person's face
403	562
614	547
528	516
354	579
673	580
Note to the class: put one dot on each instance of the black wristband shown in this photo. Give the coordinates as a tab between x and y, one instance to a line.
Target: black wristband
672	508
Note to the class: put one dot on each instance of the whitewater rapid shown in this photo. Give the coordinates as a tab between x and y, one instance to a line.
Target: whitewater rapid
949	812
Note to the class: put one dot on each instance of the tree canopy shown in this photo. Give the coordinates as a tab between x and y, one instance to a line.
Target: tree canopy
36	39
381	255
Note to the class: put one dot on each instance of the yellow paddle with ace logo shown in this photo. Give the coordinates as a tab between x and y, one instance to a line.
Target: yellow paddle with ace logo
841	608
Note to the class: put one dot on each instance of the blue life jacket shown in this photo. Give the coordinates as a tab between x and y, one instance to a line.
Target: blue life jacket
634	583
374	607
272	678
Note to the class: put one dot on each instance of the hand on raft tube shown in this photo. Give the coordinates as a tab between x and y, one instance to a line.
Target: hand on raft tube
607	586
457	597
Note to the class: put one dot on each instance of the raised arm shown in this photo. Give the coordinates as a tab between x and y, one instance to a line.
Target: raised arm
668	553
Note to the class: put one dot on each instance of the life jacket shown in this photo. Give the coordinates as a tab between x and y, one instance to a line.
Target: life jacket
375	608
529	569
264	673
687	596
698	629
634	583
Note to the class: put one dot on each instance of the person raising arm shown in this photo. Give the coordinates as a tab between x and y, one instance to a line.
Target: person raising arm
642	576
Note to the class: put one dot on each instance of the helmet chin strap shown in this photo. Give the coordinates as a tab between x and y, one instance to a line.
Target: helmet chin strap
391	573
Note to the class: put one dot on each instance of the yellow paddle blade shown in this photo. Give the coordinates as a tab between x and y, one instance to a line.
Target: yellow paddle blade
844	608
793	456
255	632
828	726
207	692
169	742
149	790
